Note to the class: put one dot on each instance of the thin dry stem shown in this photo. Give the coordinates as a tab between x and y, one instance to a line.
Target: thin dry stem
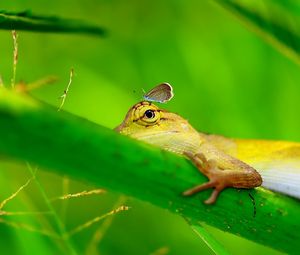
61	227
22	87
97	219
161	251
15	57
5	213
4	202
92	247
64	204
64	95
1	81
28	228
80	194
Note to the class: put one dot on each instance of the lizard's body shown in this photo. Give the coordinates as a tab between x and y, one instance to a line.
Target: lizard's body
226	162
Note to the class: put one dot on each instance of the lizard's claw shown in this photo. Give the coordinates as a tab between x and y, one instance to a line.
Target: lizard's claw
213	197
217	177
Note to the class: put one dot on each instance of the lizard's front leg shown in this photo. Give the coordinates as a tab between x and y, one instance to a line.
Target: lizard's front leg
243	177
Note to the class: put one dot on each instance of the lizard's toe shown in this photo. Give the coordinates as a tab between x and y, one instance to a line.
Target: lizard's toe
213	197
198	188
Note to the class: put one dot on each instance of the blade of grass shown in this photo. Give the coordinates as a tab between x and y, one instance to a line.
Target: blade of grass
31	22
210	241
29	228
65	203
35	132
61	228
93	245
276	23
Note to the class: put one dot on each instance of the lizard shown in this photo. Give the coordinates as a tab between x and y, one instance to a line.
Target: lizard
224	161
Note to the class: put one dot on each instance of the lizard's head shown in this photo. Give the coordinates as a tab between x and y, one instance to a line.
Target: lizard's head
145	121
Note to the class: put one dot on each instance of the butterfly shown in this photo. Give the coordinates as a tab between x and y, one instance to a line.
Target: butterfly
162	93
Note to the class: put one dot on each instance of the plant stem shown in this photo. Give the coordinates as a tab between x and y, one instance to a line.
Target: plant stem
61	228
73	146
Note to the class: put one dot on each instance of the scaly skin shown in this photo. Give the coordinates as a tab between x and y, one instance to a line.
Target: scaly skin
221	159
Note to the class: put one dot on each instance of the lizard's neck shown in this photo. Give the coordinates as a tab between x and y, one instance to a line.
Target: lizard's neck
221	143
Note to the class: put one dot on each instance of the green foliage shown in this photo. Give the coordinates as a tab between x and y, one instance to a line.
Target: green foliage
211	242
226	81
31	22
276	21
164	176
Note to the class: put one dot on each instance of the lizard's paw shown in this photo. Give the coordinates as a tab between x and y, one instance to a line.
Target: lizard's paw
217	177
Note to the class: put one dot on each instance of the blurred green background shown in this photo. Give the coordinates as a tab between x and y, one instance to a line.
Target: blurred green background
226	80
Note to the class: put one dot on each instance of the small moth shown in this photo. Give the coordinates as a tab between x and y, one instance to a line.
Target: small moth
162	93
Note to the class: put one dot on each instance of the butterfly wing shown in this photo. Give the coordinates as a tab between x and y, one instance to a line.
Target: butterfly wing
161	93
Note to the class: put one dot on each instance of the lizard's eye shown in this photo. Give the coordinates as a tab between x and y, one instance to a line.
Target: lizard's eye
150	117
146	115
149	114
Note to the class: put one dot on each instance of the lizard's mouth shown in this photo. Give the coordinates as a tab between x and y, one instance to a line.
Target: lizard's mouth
153	136
119	128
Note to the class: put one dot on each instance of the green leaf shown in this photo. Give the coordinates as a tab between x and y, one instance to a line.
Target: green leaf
28	21
69	145
276	21
209	240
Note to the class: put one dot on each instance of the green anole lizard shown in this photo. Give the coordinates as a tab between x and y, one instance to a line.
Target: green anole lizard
226	162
